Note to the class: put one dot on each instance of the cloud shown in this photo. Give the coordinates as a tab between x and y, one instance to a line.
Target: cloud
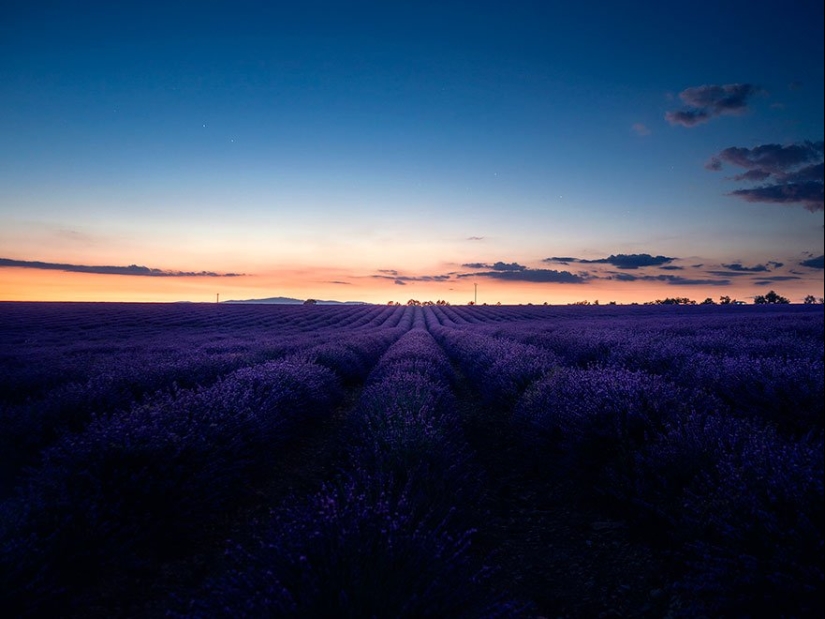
790	173
739	267
673	280
773	158
810	195
620	261
710	100
340	282
728	273
672	267
814	263
512	266
764	281
475	238
498	266
631	261
640	129
561	259
540	276
403	279
132	269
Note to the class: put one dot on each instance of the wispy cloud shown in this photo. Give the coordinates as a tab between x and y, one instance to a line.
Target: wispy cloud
475	238
673	280
541	276
403	279
132	269
711	100
640	129
496	266
765	281
620	261
790	174
739	267
814	263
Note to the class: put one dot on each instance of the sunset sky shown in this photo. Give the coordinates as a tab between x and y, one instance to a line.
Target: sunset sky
377	151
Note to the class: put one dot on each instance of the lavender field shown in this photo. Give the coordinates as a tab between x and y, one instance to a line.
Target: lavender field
177	460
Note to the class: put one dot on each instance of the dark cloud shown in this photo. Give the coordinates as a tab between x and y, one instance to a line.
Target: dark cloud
687	118
541	276
399	282
561	259
812	173
676	280
752	175
132	269
708	101
728	273
620	261
498	266
811	195
673	280
512	266
631	261
764	281
623	277
713	164
739	267
814	263
672	267
388	271
339	282
790	173
475	238
773	158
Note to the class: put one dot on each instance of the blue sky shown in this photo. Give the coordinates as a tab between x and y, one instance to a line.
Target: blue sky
375	151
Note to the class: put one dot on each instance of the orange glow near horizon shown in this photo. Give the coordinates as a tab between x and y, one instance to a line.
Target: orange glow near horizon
26	284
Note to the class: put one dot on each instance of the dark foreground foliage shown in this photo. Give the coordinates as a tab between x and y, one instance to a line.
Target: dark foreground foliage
363	461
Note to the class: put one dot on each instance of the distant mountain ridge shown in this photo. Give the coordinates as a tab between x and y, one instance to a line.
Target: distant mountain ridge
291	301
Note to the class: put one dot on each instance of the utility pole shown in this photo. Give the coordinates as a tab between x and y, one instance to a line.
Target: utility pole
218	298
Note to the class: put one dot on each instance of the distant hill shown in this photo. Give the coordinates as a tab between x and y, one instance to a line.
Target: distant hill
291	301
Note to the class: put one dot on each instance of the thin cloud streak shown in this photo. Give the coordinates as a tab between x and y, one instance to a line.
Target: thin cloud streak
709	101
620	261
132	269
536	276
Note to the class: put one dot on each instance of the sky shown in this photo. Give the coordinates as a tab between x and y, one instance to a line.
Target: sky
518	152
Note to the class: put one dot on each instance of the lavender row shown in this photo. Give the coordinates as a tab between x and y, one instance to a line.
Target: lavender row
134	490
118	382
389	536
740	502
43	346
763	367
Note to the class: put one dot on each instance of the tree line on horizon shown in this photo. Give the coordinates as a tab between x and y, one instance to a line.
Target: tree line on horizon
770	298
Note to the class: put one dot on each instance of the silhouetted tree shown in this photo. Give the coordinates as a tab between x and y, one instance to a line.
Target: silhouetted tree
770	299
310	302
675	301
810	300
708	301
725	300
